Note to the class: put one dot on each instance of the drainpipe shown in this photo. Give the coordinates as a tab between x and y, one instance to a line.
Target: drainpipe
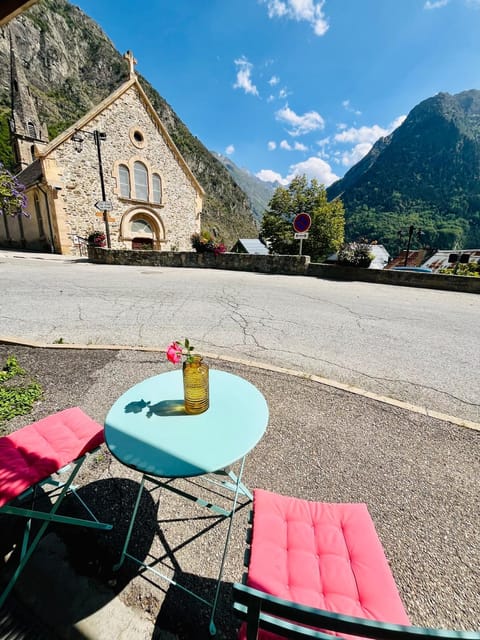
49	218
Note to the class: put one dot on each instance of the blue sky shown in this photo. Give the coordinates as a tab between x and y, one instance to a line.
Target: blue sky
287	87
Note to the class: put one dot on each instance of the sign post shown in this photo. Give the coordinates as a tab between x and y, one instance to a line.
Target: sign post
301	223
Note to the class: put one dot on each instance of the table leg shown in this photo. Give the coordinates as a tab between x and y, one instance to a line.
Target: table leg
239	488
130	526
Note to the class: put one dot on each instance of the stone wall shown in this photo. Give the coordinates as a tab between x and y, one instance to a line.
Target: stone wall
399	278
288	265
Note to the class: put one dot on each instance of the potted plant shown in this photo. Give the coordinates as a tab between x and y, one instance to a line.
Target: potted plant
97	239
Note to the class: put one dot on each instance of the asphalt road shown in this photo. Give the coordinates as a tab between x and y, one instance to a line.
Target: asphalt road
416	345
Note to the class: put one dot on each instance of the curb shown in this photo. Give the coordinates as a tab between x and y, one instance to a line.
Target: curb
461	422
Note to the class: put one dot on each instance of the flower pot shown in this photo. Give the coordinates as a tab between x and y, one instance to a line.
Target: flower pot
195	385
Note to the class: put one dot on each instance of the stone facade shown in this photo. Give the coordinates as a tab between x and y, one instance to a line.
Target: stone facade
162	209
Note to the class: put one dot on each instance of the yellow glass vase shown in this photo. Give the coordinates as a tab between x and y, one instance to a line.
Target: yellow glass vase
195	385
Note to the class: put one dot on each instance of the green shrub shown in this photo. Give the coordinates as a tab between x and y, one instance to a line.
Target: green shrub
355	254
16	399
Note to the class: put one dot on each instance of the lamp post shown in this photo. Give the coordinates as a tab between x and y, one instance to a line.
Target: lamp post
411	230
98	137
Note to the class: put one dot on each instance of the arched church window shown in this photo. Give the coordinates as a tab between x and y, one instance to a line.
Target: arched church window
124	175
156	188
31	130
139	225
141	181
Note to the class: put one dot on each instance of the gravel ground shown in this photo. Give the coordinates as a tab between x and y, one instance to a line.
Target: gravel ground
419	477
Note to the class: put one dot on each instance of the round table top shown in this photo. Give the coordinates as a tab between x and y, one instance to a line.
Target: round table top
148	429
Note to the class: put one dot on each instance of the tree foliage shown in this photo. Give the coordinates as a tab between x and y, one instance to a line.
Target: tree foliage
327	231
12	196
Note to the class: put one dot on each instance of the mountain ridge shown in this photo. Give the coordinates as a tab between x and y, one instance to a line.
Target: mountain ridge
426	173
258	191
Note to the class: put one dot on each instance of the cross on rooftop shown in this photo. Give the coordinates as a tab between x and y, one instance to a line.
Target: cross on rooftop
131	62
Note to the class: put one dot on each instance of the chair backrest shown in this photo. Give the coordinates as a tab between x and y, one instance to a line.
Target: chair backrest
261	611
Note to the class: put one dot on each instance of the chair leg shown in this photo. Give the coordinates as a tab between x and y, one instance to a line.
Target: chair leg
29	547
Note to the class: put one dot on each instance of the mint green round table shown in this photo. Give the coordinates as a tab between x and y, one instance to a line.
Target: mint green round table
147	429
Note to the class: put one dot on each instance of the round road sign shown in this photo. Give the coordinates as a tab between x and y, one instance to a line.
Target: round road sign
302	222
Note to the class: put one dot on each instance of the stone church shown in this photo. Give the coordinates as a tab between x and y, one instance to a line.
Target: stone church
115	171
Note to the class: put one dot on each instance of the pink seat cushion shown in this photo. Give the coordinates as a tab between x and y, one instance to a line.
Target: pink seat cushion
36	451
322	555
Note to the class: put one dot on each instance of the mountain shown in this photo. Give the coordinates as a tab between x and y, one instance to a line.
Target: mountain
426	173
71	66
259	193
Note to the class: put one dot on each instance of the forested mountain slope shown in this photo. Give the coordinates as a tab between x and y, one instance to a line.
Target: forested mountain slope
426	173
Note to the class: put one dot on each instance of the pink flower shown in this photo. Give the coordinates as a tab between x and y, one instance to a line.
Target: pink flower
174	352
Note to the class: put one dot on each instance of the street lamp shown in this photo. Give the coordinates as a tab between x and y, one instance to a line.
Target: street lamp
411	230
98	137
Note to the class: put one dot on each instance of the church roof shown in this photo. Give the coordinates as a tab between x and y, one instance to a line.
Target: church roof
31	174
95	111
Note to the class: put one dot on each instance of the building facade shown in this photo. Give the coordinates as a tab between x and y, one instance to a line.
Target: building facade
115	171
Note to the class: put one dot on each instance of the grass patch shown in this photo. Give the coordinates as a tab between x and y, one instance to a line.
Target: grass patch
18	392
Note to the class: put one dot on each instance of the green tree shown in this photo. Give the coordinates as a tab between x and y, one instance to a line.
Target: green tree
328	220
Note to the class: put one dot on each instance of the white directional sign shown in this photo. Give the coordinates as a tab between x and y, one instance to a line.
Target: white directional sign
301	236
104	205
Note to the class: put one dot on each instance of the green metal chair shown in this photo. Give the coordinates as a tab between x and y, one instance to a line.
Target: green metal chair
266	613
36	458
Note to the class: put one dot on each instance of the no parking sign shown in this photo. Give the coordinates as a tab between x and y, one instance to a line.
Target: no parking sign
302	222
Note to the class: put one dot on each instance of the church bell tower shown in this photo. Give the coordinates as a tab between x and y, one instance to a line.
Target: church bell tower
25	128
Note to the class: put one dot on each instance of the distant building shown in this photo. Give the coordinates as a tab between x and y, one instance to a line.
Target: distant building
250	245
150	198
445	258
416	258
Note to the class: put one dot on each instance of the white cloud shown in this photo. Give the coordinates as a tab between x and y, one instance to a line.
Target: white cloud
274	80
362	134
310	121
348	107
267	175
298	146
351	157
310	11
285	145
272	145
397	122
283	93
435	4
367	134
244	76
230	149
313	167
363	139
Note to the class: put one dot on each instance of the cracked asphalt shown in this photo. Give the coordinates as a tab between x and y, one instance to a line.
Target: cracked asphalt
415	345
418	475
